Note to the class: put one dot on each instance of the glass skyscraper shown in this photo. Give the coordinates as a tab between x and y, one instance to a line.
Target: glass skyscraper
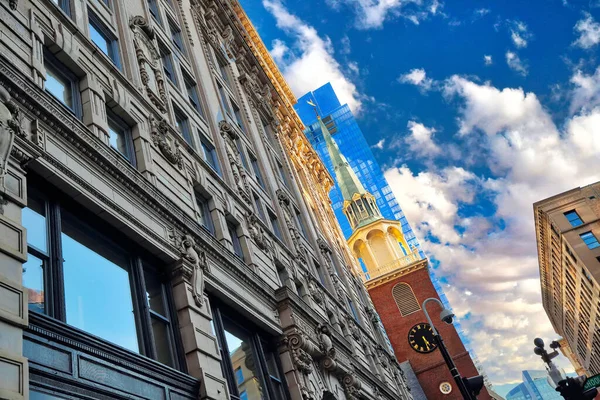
535	386
347	134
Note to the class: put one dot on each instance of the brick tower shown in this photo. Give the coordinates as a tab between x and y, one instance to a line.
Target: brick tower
398	281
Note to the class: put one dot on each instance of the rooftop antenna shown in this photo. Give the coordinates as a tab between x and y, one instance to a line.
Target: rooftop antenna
310	102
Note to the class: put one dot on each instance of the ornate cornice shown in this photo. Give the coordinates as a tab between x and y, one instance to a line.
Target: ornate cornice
400	272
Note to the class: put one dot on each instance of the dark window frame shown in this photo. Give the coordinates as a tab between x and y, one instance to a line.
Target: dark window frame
113	119
275	225
590	240
183	121
259	207
256	169
166	56
260	343
57	203
64	6
574	218
61	70
111	39
155	11
235	240
191	89
210	154
203	204
176	35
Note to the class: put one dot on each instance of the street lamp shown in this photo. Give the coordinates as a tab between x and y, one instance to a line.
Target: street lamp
469	387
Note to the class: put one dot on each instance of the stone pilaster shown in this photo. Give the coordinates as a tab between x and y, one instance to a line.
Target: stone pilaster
13	253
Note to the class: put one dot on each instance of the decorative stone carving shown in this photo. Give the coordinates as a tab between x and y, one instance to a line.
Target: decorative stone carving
10	125
384	359
148	58
233	155
257	233
354	329
192	253
315	292
228	40
302	360
12	4
352	386
325	342
168	145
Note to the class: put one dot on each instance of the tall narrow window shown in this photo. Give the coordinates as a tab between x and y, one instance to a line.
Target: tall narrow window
204	212
223	97
156	301
256	169
240	148
238	116
153	7
104	39
183	125
167	61
223	70
235	240
192	92
590	240
176	38
210	153
300	222
352	309
573	218
62	83
258	206
275	225
38	254
63	5
320	272
282	174
120	136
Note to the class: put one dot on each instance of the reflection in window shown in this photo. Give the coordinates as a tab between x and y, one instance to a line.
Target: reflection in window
59	86
97	290
159	317
242	357
34	220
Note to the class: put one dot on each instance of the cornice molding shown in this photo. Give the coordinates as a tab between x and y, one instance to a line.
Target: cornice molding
400	272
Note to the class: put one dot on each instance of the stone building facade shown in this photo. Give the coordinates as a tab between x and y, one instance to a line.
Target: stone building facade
567	230
162	218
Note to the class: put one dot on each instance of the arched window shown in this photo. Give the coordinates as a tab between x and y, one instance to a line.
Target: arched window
405	299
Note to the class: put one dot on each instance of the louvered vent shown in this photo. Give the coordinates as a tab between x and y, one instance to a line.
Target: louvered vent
405	299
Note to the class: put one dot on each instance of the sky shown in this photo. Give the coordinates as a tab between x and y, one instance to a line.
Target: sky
475	110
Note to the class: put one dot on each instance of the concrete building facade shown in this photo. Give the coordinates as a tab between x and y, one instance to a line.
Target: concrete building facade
567	227
153	227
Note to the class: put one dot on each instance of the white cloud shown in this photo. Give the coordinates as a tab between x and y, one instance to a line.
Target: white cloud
514	62
519	33
379	145
586	90
417	77
314	65
372	14
494	257
279	50
480	12
345	41
518	40
487	59
589	32
420	141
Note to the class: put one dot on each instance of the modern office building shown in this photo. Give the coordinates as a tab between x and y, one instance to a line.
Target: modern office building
535	386
156	236
398	281
567	230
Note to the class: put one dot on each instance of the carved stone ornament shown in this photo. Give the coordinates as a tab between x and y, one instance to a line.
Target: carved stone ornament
10	126
168	145
148	58
257	233
315	292
233	155
12	4
325	342
300	349
192	253
352	386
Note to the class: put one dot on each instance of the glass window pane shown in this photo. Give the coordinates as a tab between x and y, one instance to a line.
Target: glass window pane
59	86
33	395
33	280
97	289
154	293
99	39
162	341
34	220
117	139
243	357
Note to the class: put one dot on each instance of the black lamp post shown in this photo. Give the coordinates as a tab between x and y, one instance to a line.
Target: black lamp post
469	387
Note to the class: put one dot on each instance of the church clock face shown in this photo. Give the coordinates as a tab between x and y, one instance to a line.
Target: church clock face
420	338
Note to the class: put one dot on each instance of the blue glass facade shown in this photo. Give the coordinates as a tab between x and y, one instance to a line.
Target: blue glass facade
535	386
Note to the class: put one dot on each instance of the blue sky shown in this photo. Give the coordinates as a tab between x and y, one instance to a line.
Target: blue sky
475	110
